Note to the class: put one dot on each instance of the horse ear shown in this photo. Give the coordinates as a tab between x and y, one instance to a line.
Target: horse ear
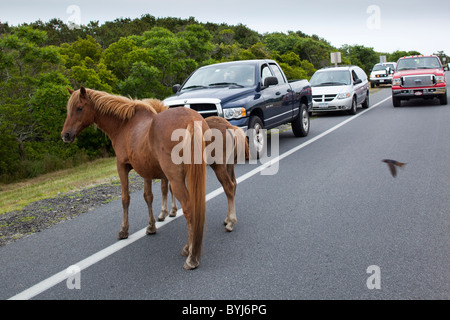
83	92
70	91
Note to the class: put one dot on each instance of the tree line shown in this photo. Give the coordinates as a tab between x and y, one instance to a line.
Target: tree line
140	58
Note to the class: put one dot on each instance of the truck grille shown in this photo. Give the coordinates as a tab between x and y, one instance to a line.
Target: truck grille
324	97
205	109
418	81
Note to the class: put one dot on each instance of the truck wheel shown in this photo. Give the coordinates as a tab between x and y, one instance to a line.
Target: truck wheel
300	126
443	99
257	137
396	102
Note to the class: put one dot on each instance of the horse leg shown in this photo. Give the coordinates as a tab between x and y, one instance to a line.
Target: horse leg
225	175
164	191
148	196
181	193
123	170
174	208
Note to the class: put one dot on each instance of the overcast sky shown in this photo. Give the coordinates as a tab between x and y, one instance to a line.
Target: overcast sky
386	26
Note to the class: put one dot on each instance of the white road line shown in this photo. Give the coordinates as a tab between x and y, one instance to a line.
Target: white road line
102	254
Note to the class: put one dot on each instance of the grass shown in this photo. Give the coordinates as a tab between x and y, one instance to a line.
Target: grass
15	196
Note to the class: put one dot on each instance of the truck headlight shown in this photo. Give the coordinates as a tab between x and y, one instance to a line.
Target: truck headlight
396	81
344	95
234	113
440	79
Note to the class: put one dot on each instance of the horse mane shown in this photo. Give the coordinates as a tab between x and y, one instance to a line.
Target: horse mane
106	103
157	105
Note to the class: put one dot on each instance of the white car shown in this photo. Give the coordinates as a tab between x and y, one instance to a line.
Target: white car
339	89
382	73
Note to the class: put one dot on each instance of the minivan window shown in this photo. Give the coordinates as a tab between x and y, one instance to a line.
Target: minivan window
361	74
354	75
330	78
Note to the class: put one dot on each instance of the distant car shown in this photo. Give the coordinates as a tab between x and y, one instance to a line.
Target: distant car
382	73
339	89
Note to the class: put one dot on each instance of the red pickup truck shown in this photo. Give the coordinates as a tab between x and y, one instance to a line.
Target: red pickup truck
419	77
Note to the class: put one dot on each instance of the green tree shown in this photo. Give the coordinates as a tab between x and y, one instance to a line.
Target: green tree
394	56
313	49
294	67
121	55
361	56
148	65
198	41
83	60
29	72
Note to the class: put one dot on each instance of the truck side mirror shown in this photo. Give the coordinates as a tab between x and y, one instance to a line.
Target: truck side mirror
357	81
270	81
175	88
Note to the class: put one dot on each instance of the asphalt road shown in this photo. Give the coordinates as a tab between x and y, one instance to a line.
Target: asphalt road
329	223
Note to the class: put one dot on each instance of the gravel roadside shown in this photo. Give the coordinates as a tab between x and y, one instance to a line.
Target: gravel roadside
43	214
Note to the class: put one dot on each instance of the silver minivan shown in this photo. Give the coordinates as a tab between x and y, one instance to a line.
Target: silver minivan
339	89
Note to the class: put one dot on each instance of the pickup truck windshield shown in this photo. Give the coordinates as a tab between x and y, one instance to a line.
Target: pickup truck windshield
223	75
418	63
331	78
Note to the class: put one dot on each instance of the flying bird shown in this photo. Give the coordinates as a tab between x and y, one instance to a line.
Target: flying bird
391	164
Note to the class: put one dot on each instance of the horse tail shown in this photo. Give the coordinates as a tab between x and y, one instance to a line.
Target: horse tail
195	170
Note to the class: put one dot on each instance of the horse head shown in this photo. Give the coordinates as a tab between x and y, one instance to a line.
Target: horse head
80	114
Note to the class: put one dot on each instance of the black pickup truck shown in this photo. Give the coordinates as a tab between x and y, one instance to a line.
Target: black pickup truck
251	94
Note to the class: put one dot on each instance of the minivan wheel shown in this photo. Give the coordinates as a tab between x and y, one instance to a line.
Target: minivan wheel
354	106
365	104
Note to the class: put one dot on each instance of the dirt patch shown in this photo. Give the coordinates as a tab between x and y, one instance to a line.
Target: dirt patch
43	214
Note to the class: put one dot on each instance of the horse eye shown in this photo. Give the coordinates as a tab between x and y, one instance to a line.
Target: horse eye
79	109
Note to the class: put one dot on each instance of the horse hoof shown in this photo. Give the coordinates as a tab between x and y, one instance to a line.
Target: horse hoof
123	235
173	213
162	216
229	226
188	267
150	230
191	264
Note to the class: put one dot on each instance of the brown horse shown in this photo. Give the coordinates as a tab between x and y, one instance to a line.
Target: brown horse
223	168
142	141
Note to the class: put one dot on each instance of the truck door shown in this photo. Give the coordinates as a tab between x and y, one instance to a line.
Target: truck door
278	98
